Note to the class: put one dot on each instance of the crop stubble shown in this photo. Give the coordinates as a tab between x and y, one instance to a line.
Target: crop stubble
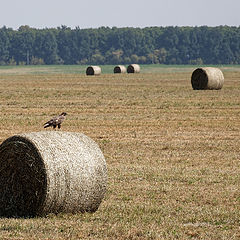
172	152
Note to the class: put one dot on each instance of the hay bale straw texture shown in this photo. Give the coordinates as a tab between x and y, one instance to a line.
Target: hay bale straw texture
50	172
93	70
120	69
207	78
133	68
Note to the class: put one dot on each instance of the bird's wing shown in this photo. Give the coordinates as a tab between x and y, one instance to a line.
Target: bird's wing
52	121
55	121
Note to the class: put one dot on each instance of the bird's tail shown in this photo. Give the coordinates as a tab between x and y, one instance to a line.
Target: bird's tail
47	125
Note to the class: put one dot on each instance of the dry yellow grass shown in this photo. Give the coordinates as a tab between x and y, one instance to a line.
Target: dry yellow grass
172	153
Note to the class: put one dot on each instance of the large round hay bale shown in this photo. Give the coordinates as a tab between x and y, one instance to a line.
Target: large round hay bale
207	78
50	172
93	70
133	68
120	69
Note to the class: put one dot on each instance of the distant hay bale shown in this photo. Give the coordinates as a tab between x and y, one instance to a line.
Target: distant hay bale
207	78
50	172
133	68
93	70
120	69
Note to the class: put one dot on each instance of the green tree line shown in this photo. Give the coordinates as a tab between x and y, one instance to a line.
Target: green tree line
164	45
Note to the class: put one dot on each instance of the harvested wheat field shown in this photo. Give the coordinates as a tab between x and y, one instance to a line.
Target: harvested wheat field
172	153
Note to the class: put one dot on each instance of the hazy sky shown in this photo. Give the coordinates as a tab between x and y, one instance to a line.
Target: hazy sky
124	13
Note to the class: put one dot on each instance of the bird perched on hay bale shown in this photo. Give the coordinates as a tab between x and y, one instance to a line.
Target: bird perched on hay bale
55	121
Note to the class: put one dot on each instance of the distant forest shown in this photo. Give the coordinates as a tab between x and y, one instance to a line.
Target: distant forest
164	45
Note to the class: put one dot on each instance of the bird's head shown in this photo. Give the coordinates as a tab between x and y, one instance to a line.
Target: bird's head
63	114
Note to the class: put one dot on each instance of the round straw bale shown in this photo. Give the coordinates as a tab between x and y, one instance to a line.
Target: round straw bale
207	78
133	68
50	172
120	69
93	70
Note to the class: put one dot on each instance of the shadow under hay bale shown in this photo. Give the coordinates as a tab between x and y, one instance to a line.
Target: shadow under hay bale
50	172
133	68
120	69
93	70
207	78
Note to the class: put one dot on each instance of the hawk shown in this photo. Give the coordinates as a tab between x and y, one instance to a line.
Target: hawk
55	121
